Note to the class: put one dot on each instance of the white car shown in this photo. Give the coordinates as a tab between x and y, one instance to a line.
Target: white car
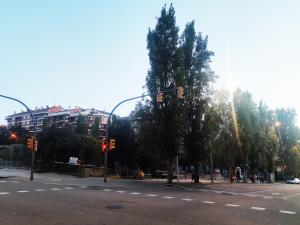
294	181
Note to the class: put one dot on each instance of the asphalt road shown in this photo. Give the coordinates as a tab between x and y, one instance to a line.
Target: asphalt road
147	202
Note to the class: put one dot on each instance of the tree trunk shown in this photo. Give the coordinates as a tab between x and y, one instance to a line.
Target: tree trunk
196	172
170	165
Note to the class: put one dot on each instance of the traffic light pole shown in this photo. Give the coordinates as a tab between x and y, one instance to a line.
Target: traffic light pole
109	122
34	123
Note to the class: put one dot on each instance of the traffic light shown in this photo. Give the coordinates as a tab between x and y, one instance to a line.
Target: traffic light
159	97
180	92
112	144
30	143
103	146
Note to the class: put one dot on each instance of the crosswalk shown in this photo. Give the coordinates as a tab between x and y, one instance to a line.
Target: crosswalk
141	194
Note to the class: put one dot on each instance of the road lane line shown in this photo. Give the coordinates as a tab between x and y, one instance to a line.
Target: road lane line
232	205
168	197
106	190
151	195
287	212
121	192
55	189
208	202
261	191
83	187
68	188
23	191
268	197
3	181
15	181
4	193
187	199
276	193
258	208
135	193
40	190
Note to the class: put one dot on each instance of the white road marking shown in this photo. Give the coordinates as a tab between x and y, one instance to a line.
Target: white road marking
208	202
189	189
83	187
4	193
121	191
3	181
106	190
287	212
168	197
68	188
258	208
23	191
204	190
40	190
276	193
15	181
260	191
218	192
187	199
135	193
293	195
268	197
55	189
232	205
151	195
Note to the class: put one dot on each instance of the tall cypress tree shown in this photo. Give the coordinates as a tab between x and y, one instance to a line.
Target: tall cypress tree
197	76
165	73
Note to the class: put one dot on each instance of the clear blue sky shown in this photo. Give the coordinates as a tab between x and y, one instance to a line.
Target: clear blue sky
93	53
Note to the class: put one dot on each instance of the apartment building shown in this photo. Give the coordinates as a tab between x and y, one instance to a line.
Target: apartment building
57	116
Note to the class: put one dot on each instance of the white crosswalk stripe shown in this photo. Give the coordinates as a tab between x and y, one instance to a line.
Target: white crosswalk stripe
287	212
40	190
106	190
168	197
151	195
4	193
55	189
187	199
258	208
23	191
232	205
208	202
68	188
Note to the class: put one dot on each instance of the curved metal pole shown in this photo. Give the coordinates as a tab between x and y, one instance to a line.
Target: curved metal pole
107	130
109	121
34	123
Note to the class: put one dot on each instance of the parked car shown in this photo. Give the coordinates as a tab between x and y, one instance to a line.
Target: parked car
294	181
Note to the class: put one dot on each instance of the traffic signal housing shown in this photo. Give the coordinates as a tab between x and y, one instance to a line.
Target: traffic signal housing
103	146
30	143
180	92
159	97
112	144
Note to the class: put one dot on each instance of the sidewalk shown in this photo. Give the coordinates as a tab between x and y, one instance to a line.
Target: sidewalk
63	179
60	179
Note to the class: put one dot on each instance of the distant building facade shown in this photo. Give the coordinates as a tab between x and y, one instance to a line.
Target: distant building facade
59	117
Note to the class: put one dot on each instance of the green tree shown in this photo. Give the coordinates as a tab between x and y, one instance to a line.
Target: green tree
165	73
197	77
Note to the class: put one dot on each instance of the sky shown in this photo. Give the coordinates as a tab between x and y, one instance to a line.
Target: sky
93	53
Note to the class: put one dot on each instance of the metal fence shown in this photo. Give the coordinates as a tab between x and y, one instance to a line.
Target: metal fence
14	164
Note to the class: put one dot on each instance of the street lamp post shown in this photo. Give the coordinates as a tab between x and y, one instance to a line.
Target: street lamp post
34	124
